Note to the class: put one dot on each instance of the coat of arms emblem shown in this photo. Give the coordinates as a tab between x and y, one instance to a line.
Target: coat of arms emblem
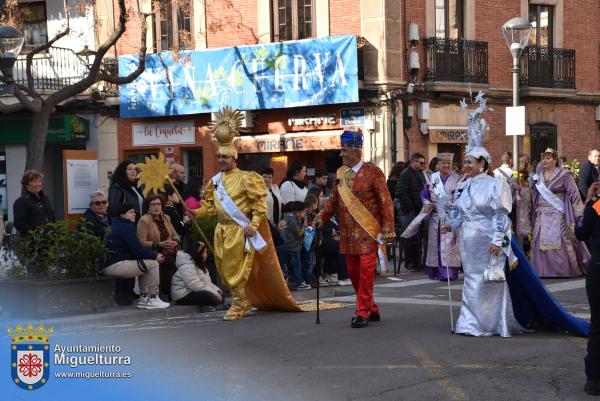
30	355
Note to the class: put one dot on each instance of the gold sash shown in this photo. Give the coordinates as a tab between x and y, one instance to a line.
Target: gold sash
358	211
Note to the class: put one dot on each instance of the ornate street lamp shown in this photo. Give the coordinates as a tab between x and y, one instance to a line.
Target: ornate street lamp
11	42
516	34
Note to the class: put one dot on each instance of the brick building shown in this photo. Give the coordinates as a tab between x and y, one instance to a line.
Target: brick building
461	42
460	45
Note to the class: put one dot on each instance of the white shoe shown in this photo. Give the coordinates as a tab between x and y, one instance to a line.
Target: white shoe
332	280
152	302
345	282
303	287
324	282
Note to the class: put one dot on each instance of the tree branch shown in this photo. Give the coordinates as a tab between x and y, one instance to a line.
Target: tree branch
10	108
34	105
94	74
39	49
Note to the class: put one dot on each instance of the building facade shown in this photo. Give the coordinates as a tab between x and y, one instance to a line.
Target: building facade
461	45
277	135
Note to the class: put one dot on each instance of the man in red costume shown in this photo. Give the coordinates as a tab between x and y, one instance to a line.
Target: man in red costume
361	198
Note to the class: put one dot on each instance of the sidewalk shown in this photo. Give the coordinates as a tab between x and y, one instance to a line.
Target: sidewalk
126	314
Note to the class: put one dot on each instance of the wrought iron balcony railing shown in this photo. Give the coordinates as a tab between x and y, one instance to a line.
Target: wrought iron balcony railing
456	60
53	70
548	67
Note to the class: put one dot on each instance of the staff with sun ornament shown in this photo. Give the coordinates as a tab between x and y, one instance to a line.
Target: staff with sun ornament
244	251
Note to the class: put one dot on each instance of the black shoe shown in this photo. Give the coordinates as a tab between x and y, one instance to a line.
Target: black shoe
359	322
592	387
374	317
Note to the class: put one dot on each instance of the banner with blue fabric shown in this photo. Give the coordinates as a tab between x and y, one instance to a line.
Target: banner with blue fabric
297	73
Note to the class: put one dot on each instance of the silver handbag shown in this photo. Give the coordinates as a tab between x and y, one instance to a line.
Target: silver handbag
494	272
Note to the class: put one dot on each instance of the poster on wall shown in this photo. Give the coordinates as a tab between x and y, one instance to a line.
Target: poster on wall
82	179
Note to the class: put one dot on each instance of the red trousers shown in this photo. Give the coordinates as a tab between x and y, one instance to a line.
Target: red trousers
361	270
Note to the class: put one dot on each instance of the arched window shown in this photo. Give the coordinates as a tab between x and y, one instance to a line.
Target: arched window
543	136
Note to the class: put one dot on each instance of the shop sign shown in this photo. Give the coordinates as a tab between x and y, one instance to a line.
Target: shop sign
447	134
354	116
61	129
312	121
319	140
297	73
168	133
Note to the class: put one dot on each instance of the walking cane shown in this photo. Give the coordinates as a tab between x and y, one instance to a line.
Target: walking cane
318	271
450	301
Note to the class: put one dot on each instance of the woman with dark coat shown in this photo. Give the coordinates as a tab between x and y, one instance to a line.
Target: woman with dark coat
123	188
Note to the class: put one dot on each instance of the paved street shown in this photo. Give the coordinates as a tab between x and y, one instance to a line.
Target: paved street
410	355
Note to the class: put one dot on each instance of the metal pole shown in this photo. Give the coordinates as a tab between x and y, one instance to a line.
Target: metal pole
515	71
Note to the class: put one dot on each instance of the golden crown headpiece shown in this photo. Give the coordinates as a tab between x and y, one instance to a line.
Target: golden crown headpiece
225	127
30	333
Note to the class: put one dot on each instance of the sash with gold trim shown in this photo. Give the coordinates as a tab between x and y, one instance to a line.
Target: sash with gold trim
361	214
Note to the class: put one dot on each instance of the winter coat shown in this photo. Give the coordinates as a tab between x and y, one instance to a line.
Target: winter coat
291	191
123	243
31	211
97	227
190	278
148	231
118	195
293	233
408	191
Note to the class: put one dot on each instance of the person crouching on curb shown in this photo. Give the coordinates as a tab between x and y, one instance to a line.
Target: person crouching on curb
130	259
361	198
191	283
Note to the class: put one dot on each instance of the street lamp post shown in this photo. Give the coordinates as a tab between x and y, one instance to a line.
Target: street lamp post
11	42
516	34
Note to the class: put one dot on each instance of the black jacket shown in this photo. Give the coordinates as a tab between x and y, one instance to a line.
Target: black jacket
97	227
31	211
587	175
176	219
118	195
124	244
588	228
408	190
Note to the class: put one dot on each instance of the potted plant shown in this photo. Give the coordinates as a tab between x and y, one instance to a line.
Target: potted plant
57	273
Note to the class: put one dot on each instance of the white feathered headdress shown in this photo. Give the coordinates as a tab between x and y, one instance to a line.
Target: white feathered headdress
476	127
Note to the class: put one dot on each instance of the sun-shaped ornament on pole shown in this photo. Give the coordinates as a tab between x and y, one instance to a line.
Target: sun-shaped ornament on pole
152	177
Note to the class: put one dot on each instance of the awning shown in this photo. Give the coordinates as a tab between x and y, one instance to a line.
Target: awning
290	142
60	129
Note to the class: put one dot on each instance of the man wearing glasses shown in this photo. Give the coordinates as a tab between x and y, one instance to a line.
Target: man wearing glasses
95	215
408	192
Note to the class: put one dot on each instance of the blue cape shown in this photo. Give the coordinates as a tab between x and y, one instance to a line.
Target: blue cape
533	303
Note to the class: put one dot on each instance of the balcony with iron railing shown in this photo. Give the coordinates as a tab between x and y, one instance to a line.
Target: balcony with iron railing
548	67
52	70
58	68
456	60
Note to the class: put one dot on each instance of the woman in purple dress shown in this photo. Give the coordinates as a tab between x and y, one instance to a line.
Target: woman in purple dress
556	206
443	256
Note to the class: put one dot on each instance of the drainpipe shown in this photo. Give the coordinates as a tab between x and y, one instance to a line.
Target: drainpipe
394	145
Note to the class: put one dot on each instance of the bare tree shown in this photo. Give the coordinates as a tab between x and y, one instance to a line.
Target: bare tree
42	107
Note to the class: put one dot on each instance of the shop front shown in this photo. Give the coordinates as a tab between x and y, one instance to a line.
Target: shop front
68	132
292	94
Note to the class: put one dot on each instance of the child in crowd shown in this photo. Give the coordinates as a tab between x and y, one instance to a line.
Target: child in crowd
308	255
293	235
191	284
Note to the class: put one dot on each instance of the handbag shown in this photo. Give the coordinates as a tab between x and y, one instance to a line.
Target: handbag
494	272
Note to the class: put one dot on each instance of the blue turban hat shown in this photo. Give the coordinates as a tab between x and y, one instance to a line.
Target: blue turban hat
352	138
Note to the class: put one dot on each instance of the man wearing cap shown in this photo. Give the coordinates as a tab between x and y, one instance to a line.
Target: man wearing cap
366	215
443	256
243	249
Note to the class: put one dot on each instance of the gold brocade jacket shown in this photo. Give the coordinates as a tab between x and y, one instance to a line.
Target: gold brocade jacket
248	191
370	187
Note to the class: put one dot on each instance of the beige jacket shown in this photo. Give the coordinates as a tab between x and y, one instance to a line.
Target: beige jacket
189	278
148	233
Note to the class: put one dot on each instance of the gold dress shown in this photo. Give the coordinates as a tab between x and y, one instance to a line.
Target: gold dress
254	278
